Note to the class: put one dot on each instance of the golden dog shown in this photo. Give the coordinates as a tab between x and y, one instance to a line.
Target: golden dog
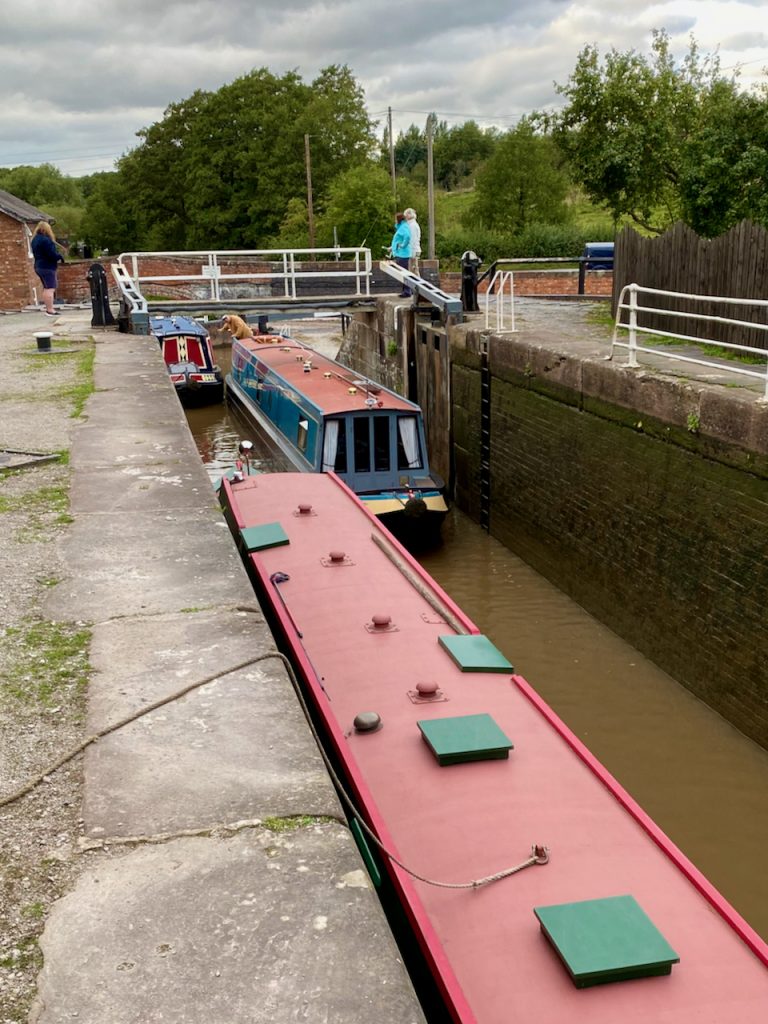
236	326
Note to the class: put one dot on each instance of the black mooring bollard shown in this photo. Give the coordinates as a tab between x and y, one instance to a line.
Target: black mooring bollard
43	339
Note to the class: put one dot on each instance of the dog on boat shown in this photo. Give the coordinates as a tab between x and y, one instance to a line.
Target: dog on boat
236	326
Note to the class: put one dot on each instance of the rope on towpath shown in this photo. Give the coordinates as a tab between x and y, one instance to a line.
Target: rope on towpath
539	854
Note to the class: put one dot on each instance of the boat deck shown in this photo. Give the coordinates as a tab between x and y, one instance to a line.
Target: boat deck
464	821
330	387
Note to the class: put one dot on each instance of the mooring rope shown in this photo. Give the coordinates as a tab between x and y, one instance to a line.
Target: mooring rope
539	854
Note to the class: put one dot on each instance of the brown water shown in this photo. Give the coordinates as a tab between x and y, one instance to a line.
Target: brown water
703	782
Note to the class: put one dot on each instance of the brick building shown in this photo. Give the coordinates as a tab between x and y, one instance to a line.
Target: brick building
19	284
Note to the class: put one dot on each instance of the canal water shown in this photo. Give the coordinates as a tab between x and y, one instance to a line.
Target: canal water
702	781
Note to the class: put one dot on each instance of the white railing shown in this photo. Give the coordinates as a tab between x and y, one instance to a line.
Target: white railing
628	304
214	268
503	285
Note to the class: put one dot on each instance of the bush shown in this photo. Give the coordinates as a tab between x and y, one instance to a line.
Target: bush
537	241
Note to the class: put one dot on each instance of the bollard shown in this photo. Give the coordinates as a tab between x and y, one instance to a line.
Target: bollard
97	280
470	261
43	339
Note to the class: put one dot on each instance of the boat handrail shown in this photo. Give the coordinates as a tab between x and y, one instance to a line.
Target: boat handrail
215	266
628	303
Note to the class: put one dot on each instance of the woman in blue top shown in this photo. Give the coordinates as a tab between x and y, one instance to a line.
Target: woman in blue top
47	258
401	247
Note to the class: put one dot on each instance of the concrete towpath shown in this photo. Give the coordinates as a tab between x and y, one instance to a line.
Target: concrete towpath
218	882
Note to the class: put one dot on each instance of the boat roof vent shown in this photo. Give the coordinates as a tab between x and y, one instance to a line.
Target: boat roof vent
475	653
267	535
465	738
603	940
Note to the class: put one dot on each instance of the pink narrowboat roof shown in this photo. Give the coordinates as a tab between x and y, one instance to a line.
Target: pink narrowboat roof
331	394
465	821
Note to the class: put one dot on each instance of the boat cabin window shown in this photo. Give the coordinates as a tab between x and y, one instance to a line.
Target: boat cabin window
381	443
408	453
302	435
335	446
362	445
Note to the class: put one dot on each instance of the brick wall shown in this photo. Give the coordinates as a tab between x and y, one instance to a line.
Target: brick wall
657	531
17	277
544	282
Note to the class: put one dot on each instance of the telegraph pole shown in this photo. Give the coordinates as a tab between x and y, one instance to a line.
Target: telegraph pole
310	210
430	188
391	155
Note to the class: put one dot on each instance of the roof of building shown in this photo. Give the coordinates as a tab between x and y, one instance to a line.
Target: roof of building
20	210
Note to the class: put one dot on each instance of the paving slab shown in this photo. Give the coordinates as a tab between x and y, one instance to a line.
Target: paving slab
153	563
236	749
257	928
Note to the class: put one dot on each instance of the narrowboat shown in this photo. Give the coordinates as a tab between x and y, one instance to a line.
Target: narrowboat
325	418
188	354
533	887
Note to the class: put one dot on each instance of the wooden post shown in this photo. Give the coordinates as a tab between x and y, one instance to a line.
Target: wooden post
310	210
392	156
430	189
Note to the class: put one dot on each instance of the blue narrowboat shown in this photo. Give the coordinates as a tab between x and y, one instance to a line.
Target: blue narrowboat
188	354
323	417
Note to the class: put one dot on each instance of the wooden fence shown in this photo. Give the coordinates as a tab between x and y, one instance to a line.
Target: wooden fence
734	265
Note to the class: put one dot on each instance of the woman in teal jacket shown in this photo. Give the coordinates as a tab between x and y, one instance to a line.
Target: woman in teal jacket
401	247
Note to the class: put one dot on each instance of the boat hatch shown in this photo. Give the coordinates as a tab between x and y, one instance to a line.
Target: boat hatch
267	535
605	940
465	738
475	653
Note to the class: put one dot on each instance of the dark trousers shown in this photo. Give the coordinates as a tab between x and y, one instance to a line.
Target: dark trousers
404	262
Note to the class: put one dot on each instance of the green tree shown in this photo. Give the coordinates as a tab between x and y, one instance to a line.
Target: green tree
626	125
459	151
359	207
724	168
221	168
109	221
42	186
521	183
410	150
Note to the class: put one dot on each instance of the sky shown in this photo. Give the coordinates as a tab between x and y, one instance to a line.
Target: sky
78	79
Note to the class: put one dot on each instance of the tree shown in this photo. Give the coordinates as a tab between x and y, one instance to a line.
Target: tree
221	168
41	186
724	168
627	123
109	220
359	206
459	151
521	183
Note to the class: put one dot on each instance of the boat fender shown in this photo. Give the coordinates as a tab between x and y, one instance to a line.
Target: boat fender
415	508
193	385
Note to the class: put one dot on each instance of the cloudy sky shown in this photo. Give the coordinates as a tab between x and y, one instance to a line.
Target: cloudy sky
78	78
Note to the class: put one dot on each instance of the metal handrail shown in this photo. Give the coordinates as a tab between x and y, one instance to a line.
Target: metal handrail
126	269
632	308
581	262
502	278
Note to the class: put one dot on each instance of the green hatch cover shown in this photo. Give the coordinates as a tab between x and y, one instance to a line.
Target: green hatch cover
605	940
268	535
465	738
475	653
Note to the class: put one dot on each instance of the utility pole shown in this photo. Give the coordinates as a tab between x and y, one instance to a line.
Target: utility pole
391	155
310	210
430	188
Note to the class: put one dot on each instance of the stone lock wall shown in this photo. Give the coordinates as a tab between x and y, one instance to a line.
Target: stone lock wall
652	520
